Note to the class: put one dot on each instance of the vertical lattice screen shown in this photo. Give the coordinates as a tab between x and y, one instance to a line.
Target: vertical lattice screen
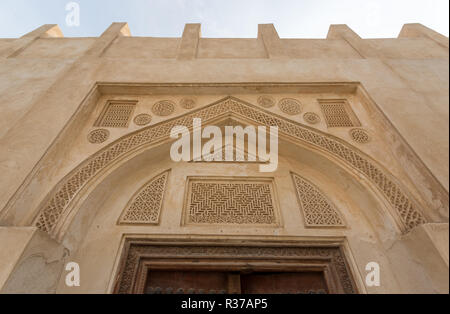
116	115
338	113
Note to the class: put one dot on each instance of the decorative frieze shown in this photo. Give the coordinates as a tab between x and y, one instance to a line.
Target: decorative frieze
139	253
64	192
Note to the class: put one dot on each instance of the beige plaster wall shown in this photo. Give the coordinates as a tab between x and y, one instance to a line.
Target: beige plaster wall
143	47
388	89
49	103
22	82
31	261
65	48
66	157
95	238
97	218
12	241
419	260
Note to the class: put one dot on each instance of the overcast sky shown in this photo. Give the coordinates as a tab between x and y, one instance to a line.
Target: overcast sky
226	18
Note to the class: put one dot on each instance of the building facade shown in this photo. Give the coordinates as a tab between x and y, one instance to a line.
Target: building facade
89	179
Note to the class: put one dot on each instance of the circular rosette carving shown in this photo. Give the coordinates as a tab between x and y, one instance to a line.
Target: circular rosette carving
290	106
187	103
266	101
359	135
311	118
98	136
163	108
142	119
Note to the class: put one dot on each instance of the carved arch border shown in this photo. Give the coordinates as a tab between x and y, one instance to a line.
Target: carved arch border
56	203
332	256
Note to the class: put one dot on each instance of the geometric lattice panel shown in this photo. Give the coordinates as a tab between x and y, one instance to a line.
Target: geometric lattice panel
116	115
230	201
56	207
145	206
338	114
317	209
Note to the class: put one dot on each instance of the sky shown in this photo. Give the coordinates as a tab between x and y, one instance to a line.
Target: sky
225	18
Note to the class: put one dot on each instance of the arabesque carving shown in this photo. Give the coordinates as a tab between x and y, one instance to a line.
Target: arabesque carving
163	108
98	136
311	118
62	195
359	135
290	106
142	119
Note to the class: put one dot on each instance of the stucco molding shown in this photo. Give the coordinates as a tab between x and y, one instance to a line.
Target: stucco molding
60	198
330	257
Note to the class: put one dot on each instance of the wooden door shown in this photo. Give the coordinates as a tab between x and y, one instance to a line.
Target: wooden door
284	282
221	282
181	267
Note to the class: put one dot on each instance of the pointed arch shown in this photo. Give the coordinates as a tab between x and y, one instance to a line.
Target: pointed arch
59	199
220	154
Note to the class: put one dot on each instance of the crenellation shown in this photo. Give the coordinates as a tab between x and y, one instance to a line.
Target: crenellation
415	30
20	44
414	42
189	42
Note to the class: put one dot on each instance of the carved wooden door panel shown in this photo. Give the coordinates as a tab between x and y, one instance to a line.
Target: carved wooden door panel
286	283
192	282
181	282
